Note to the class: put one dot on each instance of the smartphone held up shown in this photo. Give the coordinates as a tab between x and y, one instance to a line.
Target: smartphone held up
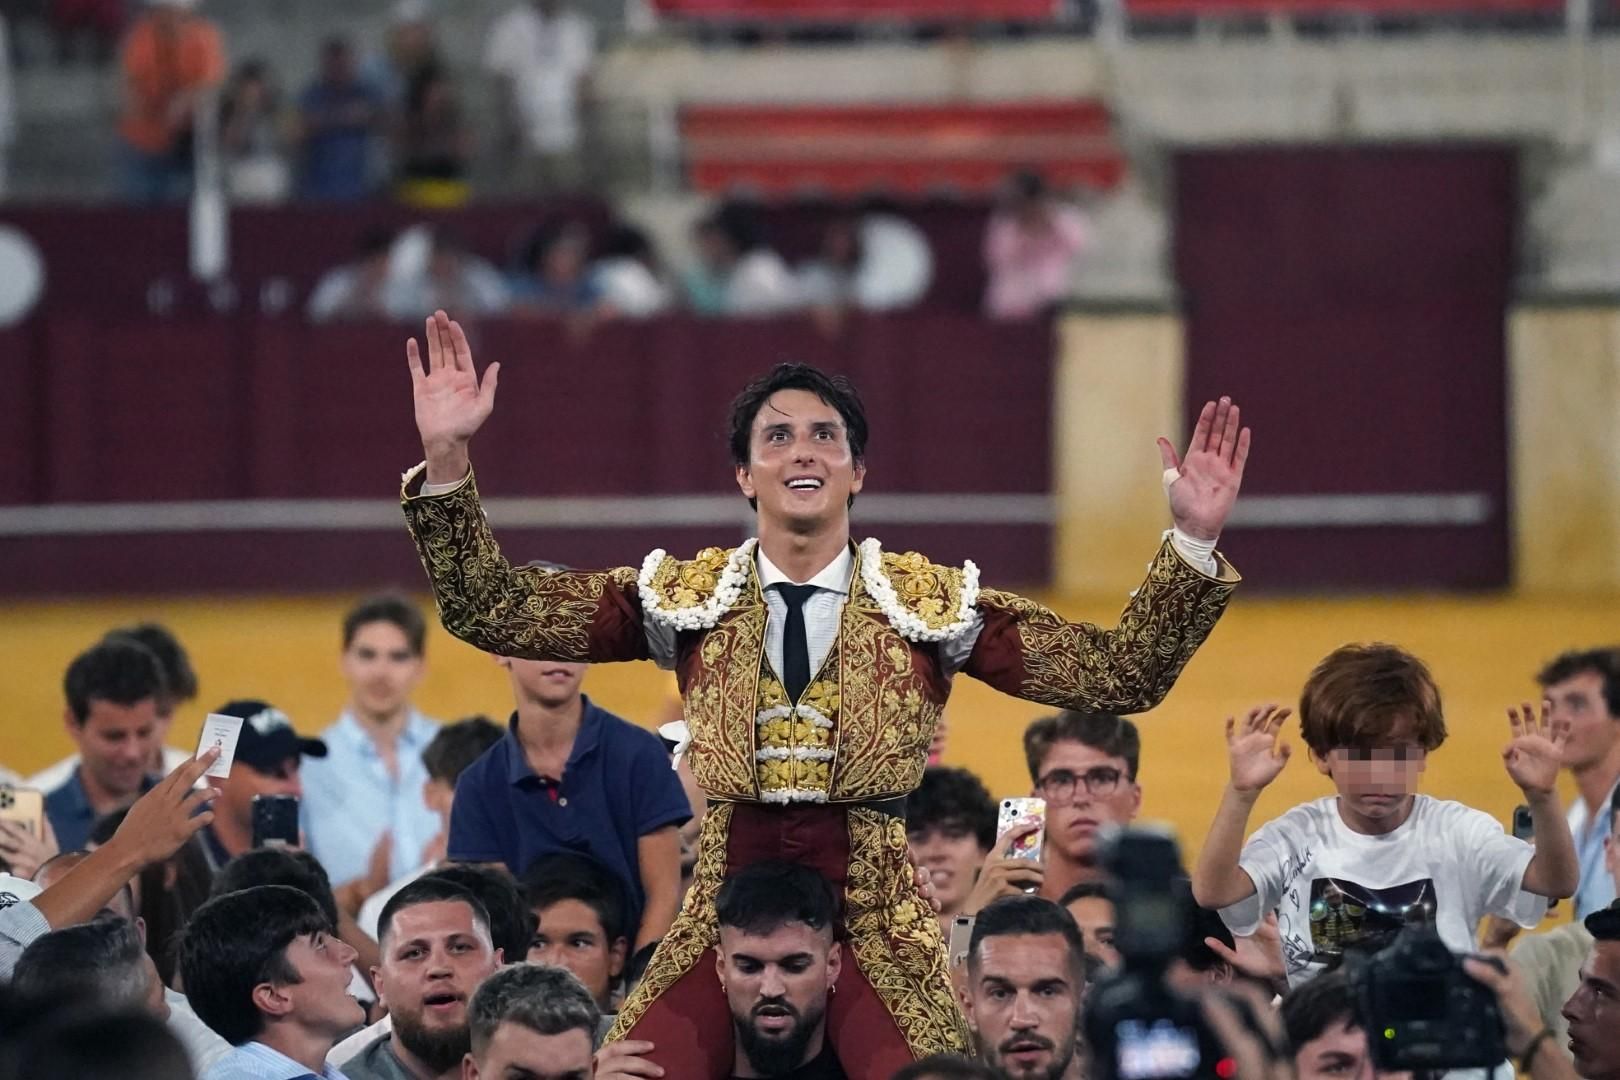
1021	813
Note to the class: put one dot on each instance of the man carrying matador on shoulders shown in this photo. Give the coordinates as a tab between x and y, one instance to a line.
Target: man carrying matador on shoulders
813	671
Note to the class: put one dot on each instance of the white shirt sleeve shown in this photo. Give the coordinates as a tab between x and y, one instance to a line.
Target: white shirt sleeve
20	925
1263	858
429	490
954	652
660	643
349	1049
1199	554
1494	864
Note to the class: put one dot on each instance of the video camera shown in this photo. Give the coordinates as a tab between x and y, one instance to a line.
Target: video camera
1421	1010
1137	1025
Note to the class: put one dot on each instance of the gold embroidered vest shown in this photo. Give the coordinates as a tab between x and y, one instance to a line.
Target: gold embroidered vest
862	729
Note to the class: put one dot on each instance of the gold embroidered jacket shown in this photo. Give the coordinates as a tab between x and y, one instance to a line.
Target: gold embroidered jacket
861	731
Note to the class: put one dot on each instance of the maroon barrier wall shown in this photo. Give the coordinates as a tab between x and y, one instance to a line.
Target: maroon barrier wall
265	454
1354	301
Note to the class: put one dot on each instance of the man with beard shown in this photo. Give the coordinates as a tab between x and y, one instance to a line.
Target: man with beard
436	951
1026	977
777	963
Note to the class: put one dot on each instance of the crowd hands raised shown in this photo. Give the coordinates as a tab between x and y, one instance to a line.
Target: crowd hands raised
435	914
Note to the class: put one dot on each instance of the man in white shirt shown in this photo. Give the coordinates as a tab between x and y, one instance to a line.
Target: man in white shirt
541	55
446	756
367	791
1583	688
264	969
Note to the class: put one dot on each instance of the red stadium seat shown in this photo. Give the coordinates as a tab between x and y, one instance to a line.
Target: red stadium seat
909	149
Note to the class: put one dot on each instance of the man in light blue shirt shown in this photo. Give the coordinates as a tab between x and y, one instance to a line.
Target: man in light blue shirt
1583	687
369	789
264	969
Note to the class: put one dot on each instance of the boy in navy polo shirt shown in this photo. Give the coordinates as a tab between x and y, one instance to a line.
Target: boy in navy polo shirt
569	776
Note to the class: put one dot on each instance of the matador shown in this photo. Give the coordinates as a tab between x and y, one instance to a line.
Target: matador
813	671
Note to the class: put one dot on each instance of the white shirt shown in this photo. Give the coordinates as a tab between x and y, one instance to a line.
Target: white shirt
54	776
761	284
1328	883
1596	888
822	610
256	1061
203	1044
350	800
349	1049
630	288
544	60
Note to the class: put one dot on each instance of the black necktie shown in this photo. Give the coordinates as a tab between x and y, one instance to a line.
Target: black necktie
795	646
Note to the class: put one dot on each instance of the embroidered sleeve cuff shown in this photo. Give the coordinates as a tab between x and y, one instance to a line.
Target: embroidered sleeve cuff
414	485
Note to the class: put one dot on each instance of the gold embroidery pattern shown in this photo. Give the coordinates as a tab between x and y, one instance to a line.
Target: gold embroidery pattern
888	712
1131	667
896	939
931	592
796	742
510	611
720	704
695	930
690	583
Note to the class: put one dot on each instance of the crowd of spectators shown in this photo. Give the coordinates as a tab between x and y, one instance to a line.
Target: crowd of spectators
390	121
866	261
475	899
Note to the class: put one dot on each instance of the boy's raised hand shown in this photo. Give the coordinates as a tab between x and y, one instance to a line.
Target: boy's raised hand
1257	758
1536	752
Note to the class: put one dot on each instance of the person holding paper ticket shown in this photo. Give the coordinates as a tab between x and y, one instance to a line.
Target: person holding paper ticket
268	755
814	671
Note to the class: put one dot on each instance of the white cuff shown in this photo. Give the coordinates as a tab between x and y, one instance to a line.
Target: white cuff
441	489
1198	553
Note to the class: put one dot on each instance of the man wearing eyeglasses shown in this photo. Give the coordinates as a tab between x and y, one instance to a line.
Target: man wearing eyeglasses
1084	766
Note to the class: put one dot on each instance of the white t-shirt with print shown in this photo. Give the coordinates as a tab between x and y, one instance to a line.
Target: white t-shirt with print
1329	884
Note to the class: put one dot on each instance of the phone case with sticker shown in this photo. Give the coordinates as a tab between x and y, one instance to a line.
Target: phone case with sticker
1023	811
